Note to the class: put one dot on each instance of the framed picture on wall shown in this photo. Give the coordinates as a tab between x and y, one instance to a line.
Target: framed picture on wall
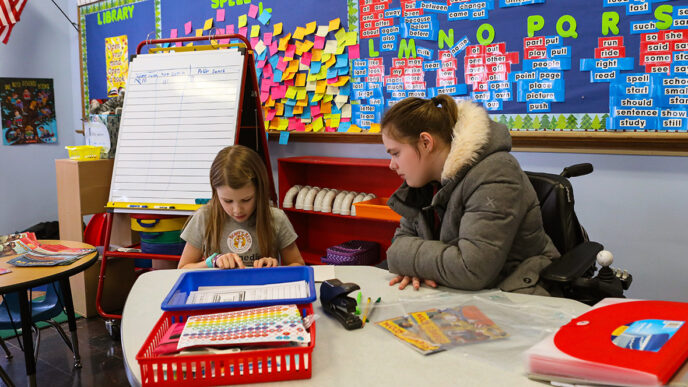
27	111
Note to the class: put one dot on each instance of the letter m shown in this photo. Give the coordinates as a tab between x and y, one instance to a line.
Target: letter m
407	51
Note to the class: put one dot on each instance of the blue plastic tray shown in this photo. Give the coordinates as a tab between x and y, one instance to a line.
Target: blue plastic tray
191	280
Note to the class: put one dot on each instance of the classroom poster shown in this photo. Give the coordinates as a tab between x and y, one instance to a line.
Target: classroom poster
116	64
543	65
27	111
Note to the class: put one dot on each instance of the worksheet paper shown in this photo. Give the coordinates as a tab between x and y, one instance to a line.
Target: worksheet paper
277	291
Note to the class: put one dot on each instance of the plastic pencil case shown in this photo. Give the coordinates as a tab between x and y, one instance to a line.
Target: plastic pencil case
353	253
84	152
256	366
163	248
157	223
191	280
161	236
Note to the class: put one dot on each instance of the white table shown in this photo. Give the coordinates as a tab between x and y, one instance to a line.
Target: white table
371	356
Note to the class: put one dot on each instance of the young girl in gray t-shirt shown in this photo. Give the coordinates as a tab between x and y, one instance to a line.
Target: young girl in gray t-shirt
238	228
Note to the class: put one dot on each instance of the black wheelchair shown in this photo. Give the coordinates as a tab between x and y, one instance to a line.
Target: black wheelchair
575	274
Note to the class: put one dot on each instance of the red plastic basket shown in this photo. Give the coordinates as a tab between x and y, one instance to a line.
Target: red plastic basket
259	366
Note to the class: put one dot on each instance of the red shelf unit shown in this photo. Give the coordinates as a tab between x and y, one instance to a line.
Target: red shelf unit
318	230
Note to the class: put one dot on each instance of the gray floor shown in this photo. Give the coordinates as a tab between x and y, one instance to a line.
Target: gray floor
101	358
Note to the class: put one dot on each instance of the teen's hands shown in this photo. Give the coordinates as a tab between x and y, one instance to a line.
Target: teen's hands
266	262
404	280
229	261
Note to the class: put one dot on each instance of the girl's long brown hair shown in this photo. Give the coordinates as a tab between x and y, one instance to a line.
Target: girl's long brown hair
235	166
406	119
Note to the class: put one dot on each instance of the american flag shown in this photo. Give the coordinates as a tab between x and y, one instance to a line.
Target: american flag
10	10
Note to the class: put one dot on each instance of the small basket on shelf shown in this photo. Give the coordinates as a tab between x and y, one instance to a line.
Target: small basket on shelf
354	252
84	152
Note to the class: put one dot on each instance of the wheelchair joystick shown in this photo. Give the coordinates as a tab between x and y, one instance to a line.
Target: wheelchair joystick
604	259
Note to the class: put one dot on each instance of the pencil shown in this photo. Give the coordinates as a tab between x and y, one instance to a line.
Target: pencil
369	309
365	314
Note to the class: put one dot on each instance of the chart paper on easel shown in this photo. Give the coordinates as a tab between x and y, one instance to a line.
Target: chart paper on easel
179	111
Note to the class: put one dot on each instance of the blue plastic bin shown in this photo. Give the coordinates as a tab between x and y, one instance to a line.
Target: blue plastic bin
163	248
191	280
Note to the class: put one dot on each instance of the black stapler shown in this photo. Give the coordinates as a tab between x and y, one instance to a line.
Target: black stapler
333	297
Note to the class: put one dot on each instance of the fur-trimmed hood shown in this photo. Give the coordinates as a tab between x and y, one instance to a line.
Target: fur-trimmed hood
475	137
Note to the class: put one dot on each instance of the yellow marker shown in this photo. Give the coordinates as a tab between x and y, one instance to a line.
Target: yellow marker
365	313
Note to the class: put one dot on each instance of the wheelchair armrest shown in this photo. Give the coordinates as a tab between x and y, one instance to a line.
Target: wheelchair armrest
573	264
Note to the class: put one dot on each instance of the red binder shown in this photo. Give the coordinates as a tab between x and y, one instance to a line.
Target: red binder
583	349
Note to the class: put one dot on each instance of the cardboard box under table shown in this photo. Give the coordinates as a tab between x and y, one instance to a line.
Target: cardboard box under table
254	366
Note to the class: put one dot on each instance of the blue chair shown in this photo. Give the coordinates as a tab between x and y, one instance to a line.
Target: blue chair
42	310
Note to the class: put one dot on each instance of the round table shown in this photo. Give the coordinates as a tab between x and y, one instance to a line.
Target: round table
20	279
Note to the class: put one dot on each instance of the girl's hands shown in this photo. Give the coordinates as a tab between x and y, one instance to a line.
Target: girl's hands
229	261
266	262
404	280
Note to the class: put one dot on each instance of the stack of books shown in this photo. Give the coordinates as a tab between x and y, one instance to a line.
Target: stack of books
38	254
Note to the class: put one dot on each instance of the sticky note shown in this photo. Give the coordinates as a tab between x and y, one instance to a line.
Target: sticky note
260	47
242	20
283	42
318	124
319	42
322	31
289	52
283	124
291	92
208	24
301	93
187	28
300	79
264	17
253	11
315	110
346	111
343	127
351	38
299	33
354	51
334	24
331	47
199	32
284	138
173	33
310	28
340	35
354	129
316	55
277	29
306	46
220	15
243	31
306	58
267	38
273	48
255	30
230	29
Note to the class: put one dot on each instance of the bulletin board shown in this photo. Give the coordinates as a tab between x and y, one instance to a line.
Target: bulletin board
605	74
